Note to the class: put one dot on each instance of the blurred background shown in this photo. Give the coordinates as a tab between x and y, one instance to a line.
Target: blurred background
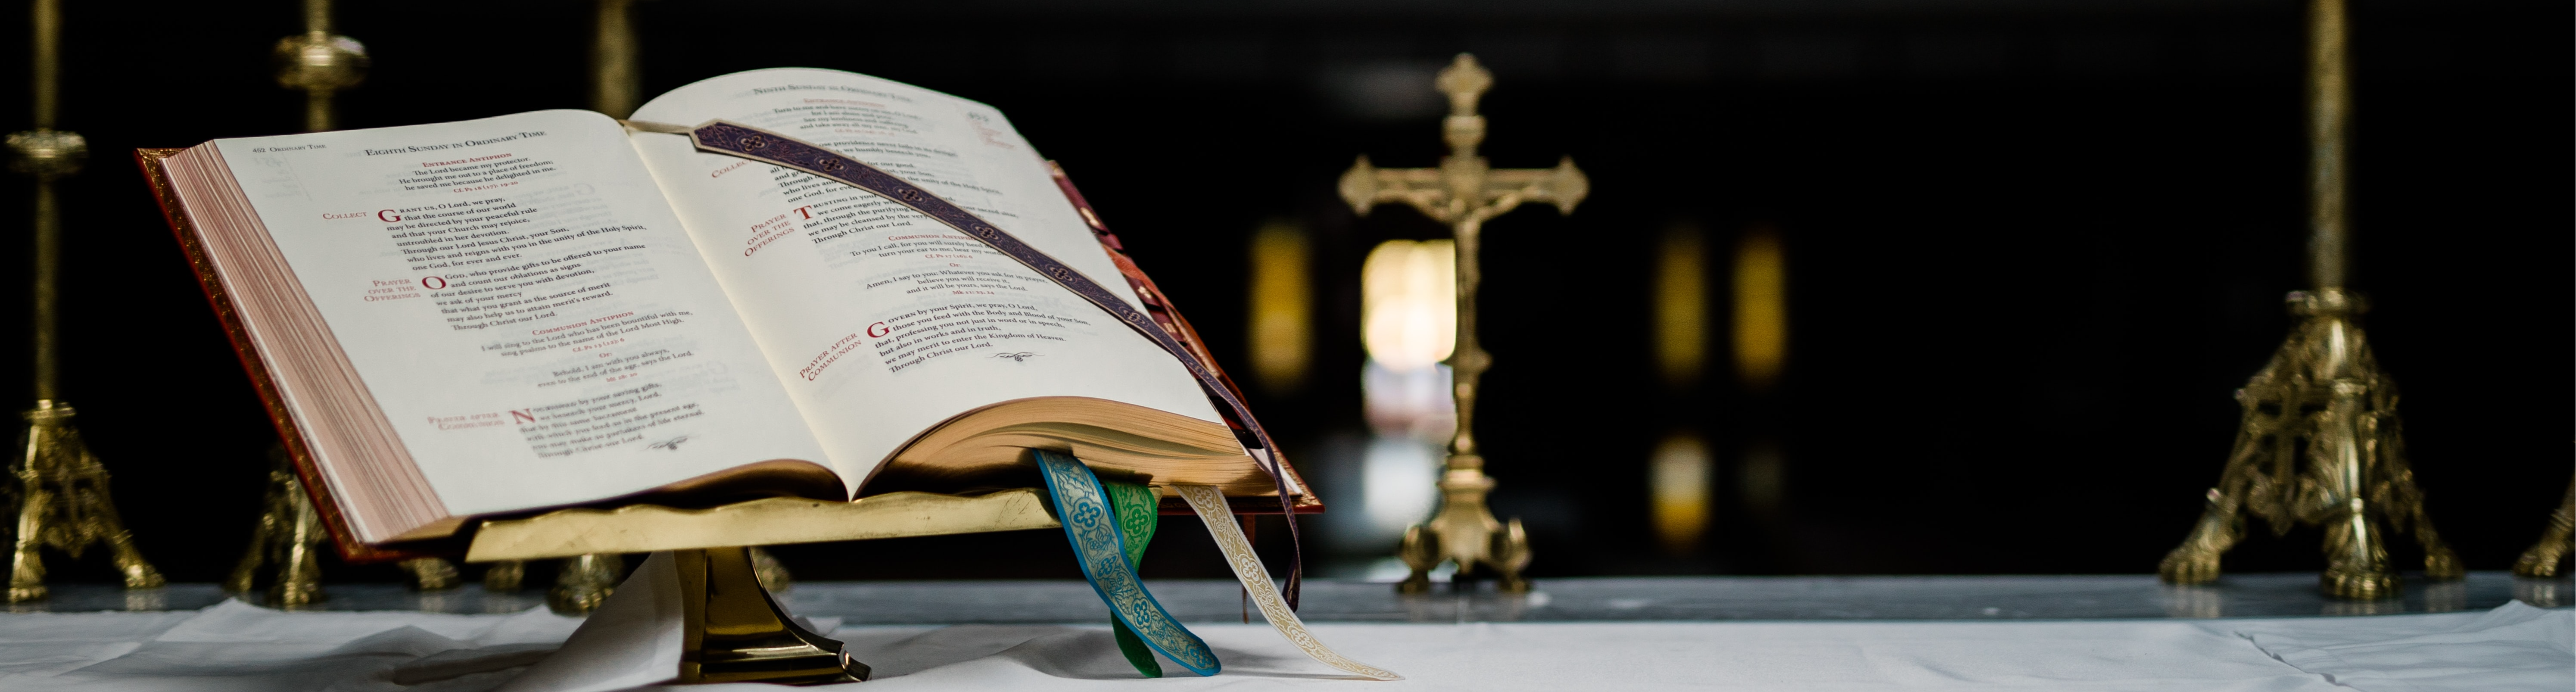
1943	286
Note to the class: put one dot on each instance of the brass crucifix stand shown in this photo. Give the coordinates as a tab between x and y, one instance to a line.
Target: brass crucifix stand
1464	192
2320	443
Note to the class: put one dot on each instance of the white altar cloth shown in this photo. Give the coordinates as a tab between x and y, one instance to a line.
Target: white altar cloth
233	646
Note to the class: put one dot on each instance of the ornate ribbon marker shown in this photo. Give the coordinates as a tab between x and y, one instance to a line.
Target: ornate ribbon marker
744	141
1136	507
1210	506
1092	526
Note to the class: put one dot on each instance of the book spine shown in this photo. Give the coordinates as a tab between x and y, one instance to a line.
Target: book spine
1159	306
192	245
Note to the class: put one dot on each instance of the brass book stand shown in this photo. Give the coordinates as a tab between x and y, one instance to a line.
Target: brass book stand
1464	192
2320	441
735	631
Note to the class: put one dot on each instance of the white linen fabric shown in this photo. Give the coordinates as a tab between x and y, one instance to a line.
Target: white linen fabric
233	646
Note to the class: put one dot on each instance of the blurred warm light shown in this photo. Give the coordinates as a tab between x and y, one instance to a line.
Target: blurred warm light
1761	308
1681	308
1399	484
1412	403
1281	314
1409	303
1679	482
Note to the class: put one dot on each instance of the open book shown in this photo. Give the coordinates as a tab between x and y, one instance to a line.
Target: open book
547	309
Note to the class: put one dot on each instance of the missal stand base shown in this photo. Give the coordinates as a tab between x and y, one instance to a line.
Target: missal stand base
706	596
737	633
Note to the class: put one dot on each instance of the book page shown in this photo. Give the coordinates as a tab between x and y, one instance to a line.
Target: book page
881	321
518	297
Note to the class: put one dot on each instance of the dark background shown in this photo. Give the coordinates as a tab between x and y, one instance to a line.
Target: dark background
2033	247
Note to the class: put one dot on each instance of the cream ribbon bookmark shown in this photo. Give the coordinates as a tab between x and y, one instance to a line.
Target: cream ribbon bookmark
1211	508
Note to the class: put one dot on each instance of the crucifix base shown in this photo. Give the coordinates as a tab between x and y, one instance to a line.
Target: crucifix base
1465	531
736	633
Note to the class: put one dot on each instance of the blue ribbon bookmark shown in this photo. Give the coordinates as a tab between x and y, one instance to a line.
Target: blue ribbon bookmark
1092	526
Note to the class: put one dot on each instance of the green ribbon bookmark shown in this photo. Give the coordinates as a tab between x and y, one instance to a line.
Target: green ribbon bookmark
1138	512
1094	526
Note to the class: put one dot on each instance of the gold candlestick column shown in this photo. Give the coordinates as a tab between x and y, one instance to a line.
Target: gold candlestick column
320	63
62	490
2323	388
1465	191
290	532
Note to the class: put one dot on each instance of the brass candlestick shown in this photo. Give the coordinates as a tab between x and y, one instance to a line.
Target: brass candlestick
290	533
1464	191
2552	548
2320	441
320	63
62	490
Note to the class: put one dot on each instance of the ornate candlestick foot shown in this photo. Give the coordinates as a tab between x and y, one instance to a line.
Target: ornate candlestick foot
290	536
63	503
430	574
2319	443
2552	548
584	582
505	576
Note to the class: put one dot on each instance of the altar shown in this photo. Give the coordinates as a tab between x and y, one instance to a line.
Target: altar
2106	632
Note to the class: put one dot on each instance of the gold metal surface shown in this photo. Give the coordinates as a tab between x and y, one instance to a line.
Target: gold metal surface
430	574
1465	191
584	581
770	521
62	497
2329	110
2320	441
319	63
505	576
2319	444
736	633
2545	554
289	536
616	79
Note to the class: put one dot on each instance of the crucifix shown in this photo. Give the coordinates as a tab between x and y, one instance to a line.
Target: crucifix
1464	191
2319	442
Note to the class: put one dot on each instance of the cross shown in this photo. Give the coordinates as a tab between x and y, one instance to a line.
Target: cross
1465	191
